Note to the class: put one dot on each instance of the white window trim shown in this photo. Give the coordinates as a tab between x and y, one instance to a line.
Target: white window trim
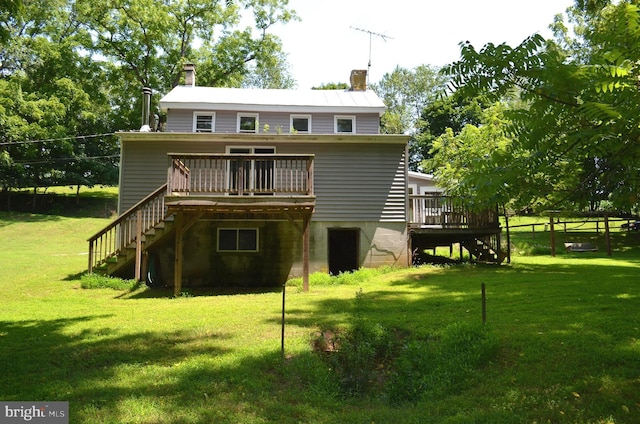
204	113
245	115
237	229
292	117
353	123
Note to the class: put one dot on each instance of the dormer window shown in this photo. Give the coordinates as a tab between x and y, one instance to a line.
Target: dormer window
345	124
247	122
300	123
204	121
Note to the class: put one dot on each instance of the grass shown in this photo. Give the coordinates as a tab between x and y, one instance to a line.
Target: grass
566	332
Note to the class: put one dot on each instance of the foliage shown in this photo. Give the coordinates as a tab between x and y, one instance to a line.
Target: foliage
405	93
71	74
463	162
97	281
452	112
575	131
344	278
565	326
332	86
443	364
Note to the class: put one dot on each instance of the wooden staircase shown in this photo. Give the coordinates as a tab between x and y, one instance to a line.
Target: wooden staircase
485	249
122	242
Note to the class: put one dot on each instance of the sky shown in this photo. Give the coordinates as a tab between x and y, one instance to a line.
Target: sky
324	47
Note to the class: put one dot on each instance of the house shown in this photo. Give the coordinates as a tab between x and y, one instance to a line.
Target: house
248	187
421	183
251	187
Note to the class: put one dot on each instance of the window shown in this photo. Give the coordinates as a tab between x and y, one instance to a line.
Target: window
301	123
345	124
204	121
237	239
247	122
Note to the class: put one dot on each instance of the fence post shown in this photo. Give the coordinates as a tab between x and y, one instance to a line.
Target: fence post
607	234
484	304
553	235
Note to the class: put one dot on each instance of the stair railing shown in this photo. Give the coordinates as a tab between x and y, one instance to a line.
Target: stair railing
127	229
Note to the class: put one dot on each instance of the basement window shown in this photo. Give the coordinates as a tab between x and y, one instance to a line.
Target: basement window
237	239
345	124
204	121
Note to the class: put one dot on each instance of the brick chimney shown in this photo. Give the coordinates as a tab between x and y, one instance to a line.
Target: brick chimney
190	74
358	80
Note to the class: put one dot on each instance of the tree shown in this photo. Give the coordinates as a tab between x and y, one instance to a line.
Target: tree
148	43
575	135
406	92
71	74
453	113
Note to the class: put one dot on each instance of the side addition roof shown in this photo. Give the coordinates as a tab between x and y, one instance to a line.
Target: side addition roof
272	100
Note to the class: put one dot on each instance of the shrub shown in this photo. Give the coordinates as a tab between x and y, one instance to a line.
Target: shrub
361	357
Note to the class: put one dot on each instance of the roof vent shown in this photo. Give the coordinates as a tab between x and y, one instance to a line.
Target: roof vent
358	80
190	74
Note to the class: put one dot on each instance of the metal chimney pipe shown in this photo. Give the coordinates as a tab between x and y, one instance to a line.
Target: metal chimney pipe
146	109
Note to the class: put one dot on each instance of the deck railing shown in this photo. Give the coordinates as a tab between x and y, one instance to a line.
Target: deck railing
127	228
240	174
442	211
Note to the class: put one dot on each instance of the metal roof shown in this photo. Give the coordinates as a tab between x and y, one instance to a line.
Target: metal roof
272	100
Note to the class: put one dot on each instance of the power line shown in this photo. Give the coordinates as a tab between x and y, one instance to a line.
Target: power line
77	137
53	160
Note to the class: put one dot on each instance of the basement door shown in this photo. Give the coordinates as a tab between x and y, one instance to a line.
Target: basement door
344	250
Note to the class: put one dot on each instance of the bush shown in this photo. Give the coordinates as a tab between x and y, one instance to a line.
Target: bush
97	281
360	358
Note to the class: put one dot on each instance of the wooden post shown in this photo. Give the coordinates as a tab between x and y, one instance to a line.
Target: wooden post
484	304
506	221
553	235
91	253
177	271
284	291
138	266
607	234
305	254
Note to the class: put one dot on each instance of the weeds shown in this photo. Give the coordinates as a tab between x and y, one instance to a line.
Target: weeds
97	281
441	365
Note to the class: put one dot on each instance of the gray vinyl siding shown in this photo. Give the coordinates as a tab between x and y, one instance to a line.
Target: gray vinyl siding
353	182
144	167
179	120
358	182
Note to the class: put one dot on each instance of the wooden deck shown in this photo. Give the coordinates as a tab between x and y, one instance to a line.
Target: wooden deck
438	220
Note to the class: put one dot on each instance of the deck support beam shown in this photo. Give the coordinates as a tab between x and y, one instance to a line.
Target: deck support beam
177	270
305	254
138	265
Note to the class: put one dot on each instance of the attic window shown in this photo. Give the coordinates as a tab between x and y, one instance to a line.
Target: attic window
247	122
204	122
345	124
301	123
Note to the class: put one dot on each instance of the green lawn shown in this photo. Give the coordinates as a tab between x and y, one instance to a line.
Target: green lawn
567	331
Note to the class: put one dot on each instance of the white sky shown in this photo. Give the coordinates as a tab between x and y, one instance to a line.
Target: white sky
323	47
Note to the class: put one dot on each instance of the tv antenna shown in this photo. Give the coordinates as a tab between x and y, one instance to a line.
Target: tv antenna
371	34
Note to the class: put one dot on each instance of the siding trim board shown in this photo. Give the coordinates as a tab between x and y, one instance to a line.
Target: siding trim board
292	139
